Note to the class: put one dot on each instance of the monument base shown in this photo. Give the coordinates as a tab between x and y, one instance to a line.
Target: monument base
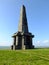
14	47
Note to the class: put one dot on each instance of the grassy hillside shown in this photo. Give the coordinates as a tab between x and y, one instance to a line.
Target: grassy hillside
24	57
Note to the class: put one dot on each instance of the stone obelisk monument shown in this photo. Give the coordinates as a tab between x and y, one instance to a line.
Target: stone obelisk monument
23	38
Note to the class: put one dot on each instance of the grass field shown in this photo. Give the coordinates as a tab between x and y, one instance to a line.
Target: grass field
24	57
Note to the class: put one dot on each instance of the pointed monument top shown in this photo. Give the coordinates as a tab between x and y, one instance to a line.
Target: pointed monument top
23	26
23	6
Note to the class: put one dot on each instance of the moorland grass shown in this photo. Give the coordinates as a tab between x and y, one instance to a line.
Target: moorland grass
24	57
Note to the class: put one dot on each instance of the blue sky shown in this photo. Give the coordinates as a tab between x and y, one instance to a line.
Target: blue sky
37	16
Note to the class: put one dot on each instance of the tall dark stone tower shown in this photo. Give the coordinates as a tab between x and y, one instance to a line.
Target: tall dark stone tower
23	38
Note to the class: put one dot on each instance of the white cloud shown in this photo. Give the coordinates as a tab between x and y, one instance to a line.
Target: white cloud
38	41
46	41
5	43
